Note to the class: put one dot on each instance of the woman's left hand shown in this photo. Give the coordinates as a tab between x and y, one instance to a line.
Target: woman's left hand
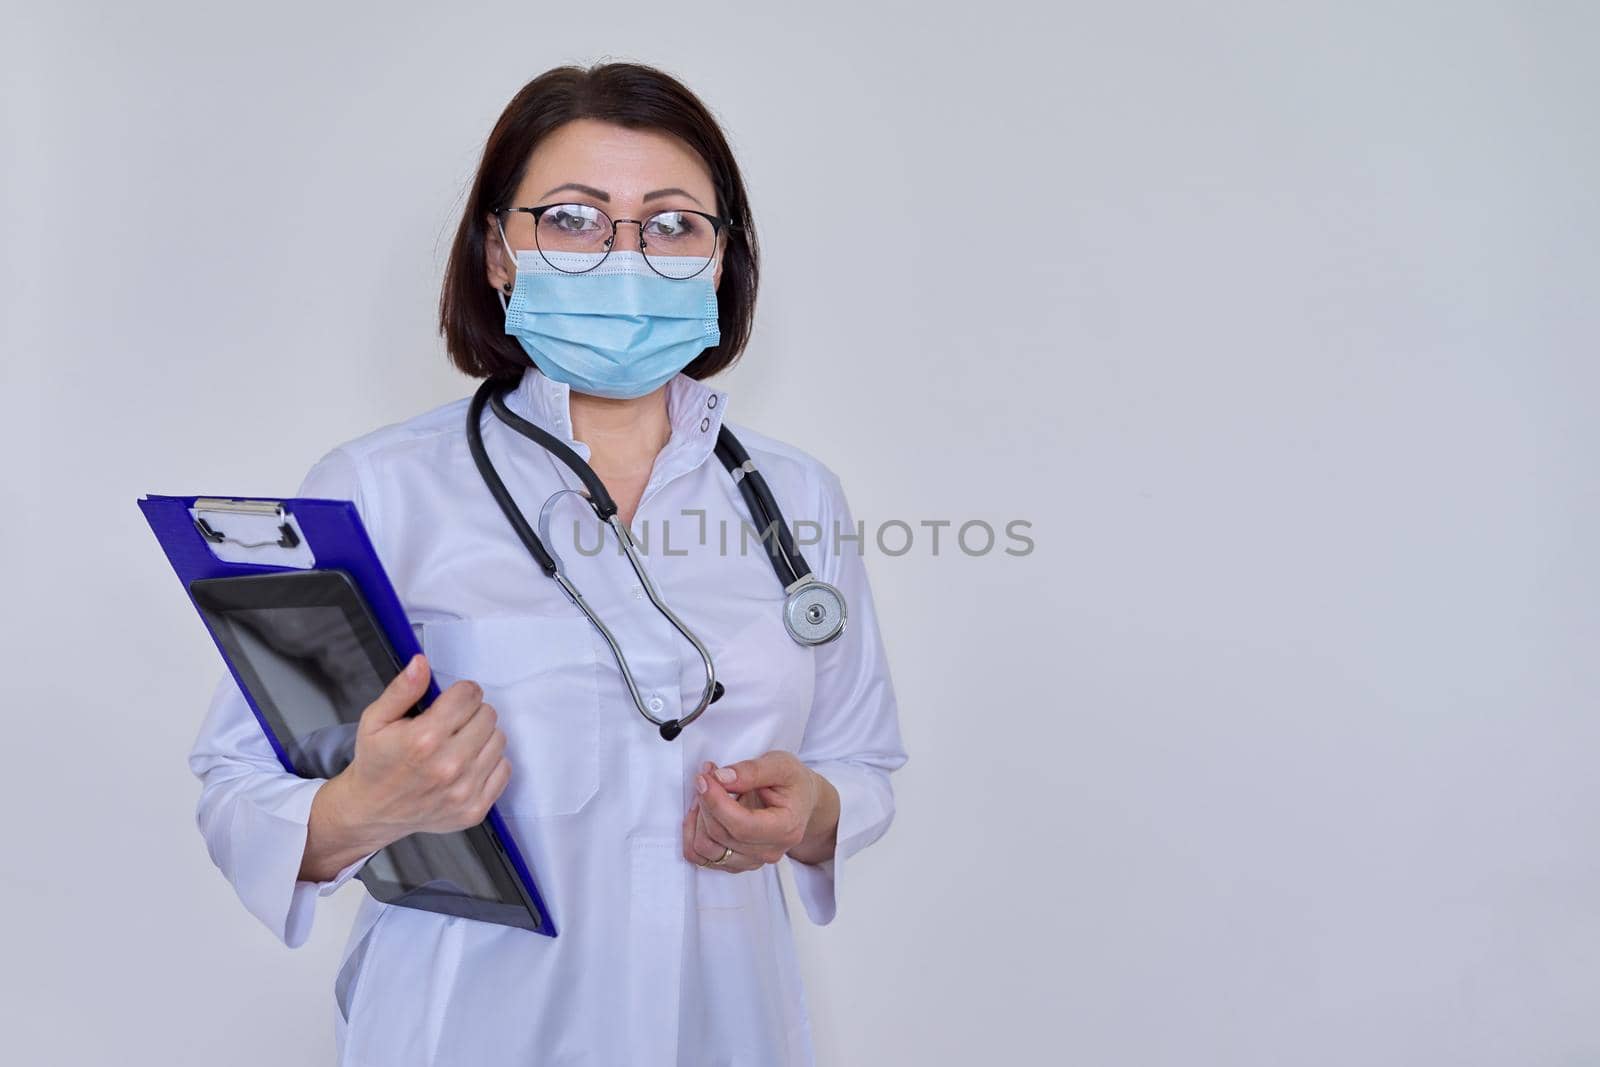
760	808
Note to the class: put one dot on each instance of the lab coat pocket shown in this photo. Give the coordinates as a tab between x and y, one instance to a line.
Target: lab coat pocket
348	981
539	672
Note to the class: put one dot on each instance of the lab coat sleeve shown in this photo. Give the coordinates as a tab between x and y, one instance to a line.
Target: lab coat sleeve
852	737
252	813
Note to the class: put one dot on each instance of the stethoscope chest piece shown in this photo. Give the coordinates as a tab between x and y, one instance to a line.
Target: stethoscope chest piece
814	612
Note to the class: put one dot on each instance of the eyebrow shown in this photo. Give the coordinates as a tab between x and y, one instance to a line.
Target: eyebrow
605	197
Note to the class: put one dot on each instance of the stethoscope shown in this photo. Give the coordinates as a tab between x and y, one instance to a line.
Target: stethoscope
813	610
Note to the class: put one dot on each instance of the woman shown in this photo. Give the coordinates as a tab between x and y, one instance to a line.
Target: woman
605	266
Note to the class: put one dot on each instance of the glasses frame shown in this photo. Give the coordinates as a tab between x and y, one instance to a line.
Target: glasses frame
718	224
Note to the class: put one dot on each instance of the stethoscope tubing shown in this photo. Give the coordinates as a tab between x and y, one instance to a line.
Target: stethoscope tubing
786	558
787	562
497	488
605	509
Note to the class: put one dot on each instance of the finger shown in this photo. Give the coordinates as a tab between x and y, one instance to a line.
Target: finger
689	822
451	711
495	784
734	859
400	695
710	768
717	832
712	830
749	774
473	734
744	824
738	863
703	845
746	855
487	759
461	765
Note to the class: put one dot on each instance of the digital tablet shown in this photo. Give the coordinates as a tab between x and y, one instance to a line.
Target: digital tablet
312	657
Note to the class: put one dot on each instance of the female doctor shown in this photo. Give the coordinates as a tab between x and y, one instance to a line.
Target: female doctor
572	280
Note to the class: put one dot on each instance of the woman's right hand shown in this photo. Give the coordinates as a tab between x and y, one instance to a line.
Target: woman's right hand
435	772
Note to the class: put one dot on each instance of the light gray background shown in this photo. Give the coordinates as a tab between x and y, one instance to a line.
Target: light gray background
1277	321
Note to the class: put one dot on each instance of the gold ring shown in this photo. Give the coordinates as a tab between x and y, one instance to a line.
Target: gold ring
726	852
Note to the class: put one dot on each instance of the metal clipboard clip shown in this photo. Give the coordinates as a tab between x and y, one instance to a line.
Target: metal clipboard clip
252	531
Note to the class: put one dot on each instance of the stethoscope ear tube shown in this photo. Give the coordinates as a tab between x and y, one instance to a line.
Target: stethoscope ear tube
599	498
673	727
497	488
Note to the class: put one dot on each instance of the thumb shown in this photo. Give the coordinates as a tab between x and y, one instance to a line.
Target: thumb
746	775
399	696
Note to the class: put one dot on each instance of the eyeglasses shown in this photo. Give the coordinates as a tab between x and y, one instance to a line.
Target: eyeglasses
677	244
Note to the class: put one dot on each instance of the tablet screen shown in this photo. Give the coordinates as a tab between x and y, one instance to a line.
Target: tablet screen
316	675
313	658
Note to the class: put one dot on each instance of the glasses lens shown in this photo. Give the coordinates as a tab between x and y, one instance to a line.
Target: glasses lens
679	244
571	228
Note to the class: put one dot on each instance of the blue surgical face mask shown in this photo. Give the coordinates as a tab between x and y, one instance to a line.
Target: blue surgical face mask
619	330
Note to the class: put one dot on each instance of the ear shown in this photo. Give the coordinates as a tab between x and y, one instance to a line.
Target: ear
501	270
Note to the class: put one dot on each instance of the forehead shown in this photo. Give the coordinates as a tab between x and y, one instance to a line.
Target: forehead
625	163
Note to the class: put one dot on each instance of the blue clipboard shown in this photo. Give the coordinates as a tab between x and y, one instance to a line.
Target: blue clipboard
226	537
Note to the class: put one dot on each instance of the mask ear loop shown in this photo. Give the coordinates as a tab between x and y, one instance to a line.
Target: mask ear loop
501	293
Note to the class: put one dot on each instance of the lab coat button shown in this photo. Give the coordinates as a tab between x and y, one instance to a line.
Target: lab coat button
656	704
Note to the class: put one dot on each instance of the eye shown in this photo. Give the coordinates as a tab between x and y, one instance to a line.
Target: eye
675	225
572	219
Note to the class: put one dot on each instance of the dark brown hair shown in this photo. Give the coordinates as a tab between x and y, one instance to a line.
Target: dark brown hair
627	94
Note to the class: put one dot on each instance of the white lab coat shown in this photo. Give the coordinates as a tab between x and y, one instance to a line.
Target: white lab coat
658	961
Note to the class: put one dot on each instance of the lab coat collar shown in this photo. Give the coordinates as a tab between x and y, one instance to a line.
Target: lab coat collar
694	410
